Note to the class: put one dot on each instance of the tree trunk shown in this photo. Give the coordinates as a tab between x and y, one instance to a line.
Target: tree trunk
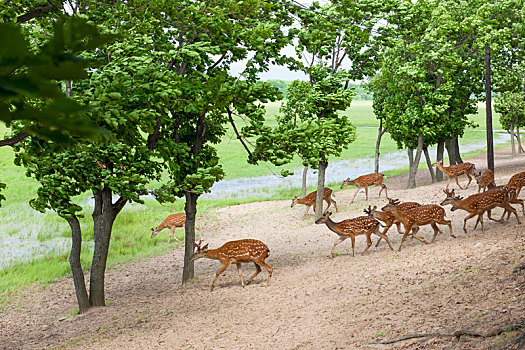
450	145
378	144
68	88
189	232
439	157
520	147
76	266
488	118
415	163
102	223
305	172
429	164
320	189
512	143
456	149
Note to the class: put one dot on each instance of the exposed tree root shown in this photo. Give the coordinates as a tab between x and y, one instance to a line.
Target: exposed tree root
458	334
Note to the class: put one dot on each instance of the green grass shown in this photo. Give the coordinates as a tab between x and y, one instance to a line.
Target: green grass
131	231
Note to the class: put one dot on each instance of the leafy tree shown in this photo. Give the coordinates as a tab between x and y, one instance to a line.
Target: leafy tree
336	43
511	106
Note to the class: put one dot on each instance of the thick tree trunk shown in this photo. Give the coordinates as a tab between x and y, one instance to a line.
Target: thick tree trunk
429	164
320	189
456	149
104	215
415	163
305	172
378	144
102	221
488	117
76	266
512	143
450	145
189	240
439	157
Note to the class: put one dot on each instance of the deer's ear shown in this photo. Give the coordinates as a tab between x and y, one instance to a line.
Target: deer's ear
205	248
375	207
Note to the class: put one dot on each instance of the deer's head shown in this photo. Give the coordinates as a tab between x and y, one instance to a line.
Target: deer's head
451	199
323	219
477	176
294	201
200	252
392	203
347	182
154	232
439	162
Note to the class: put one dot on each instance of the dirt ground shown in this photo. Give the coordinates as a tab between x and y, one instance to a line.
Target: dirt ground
313	302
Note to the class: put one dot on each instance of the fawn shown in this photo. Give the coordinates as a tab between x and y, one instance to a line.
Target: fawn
365	181
351	228
517	181
485	180
479	203
429	214
236	252
310	199
387	217
456	170
172	221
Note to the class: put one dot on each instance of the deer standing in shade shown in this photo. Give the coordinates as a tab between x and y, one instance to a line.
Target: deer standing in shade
453	171
310	199
172	222
237	252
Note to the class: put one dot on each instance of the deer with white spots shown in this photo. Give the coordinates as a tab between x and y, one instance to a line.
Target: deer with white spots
387	217
353	227
237	252
365	181
453	171
485	180
513	198
429	214
517	181
479	203
310	200
172	222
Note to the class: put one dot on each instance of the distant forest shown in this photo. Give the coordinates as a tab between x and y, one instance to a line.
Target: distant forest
360	93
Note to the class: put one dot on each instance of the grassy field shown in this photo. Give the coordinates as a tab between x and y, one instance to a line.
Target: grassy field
131	234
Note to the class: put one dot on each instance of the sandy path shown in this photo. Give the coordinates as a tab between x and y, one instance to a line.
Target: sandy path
313	302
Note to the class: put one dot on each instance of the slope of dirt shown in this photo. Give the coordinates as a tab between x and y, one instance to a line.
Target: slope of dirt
313	302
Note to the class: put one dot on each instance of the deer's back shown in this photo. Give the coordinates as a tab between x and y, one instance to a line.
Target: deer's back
243	250
358	225
425	214
175	220
312	196
517	180
369	179
459	169
487	199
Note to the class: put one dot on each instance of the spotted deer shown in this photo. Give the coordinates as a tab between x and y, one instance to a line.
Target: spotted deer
236	252
310	199
353	227
172	222
485	180
429	214
457	170
365	181
517	181
513	199
479	203
387	217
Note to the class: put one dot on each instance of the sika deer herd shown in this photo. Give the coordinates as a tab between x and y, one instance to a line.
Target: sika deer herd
411	215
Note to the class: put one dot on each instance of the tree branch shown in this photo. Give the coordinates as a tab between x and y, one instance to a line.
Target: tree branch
37	11
14	140
237	132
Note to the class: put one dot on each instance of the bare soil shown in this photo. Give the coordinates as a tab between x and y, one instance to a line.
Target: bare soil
313	302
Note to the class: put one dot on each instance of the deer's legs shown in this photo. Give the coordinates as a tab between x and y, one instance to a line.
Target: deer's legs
306	212
436	231
258	269
416	230
383	187
240	273
355	194
366	192
457	182
341	238
328	205
223	268
172	234
407	230
448	182
335	204
268	268
489	214
384	232
382	235
471	215
469	179
509	207
368	242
